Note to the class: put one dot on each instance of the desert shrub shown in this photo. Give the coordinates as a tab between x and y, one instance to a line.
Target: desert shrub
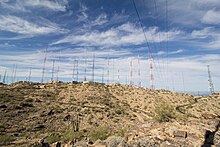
2	128
5	139
29	100
99	133
72	135
164	112
54	137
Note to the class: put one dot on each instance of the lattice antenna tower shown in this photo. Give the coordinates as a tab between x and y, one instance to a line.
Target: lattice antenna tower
211	86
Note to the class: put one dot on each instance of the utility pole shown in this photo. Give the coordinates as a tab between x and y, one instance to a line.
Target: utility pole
211	87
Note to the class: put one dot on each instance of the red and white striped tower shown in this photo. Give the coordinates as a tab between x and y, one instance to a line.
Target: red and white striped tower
85	69
139	71
131	82
151	73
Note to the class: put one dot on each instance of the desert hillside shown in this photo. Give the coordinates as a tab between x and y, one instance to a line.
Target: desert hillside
95	114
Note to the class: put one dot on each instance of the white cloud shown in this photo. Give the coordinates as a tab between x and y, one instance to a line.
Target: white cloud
122	35
204	33
18	25
22	5
47	4
208	32
6	45
170	53
211	17
101	19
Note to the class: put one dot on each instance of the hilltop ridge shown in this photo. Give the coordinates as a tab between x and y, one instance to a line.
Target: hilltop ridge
80	113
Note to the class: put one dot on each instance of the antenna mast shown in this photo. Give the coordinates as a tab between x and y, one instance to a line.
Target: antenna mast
52	70
211	87
4	78
139	71
29	77
131	82
93	68
151	73
45	58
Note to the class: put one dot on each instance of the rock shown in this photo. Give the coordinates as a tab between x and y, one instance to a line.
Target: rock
39	127
51	112
67	117
178	133
144	142
216	139
81	143
115	141
56	144
99	143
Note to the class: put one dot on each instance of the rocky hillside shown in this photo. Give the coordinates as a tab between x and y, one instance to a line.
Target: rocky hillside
95	114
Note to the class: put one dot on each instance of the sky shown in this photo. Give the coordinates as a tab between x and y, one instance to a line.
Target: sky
181	38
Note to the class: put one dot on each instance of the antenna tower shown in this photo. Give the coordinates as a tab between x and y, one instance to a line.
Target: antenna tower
131	82
211	87
53	70
45	58
151	73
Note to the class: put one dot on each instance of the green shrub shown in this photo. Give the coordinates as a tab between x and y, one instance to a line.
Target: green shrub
5	139
164	112
54	137
71	135
99	133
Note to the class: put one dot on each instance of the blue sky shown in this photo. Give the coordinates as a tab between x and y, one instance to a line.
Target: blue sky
78	29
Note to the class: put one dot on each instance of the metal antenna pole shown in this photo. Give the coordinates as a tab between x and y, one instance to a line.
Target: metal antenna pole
53	70
85	69
74	66
139	71
45	58
151	73
15	73
183	82
93	68
77	70
131	82
103	75
4	78
108	70
211	87
12	74
29	77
